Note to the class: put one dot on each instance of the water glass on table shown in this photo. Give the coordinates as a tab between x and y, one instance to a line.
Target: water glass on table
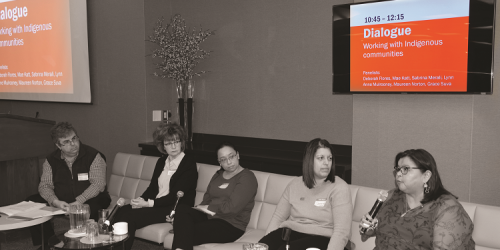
103	215
92	231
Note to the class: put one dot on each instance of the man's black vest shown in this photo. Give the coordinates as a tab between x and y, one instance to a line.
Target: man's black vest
66	184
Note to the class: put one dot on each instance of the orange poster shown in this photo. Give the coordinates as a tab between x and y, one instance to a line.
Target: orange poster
35	47
423	56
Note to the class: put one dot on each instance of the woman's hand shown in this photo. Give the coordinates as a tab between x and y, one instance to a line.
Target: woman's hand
369	223
169	219
139	202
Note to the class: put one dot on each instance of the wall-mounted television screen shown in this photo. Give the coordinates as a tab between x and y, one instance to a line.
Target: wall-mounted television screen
414	46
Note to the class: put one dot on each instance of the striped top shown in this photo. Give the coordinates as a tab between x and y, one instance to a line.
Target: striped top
97	178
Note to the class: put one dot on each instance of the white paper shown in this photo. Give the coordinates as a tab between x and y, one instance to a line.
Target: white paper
23	206
205	211
30	210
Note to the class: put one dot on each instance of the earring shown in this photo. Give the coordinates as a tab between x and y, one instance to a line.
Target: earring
426	188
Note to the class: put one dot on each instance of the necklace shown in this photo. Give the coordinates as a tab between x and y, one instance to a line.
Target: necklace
406	207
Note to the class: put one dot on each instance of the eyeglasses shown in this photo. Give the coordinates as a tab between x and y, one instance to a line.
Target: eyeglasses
404	170
170	143
73	140
228	159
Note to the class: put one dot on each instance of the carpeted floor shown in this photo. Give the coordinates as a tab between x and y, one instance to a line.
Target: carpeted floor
20	239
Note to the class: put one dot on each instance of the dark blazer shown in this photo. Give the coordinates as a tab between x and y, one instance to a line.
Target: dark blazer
184	179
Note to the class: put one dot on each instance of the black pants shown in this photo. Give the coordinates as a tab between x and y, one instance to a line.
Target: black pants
298	241
139	218
192	228
101	201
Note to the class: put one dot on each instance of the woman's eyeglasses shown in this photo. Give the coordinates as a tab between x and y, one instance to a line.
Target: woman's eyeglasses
228	159
404	170
170	143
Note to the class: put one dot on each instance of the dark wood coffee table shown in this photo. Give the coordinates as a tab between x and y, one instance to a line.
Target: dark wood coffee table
59	241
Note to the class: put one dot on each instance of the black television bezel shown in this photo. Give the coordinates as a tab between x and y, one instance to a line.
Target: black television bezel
480	47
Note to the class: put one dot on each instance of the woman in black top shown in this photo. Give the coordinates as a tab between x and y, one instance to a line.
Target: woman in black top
175	171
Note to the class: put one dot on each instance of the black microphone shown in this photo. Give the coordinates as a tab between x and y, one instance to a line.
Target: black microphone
286	235
119	203
376	207
179	195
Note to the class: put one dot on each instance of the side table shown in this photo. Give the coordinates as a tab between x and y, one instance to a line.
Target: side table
9	224
59	241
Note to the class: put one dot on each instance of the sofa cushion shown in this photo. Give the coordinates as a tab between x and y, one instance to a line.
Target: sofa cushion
486	222
155	233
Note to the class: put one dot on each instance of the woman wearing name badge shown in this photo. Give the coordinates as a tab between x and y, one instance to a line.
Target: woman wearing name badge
315	207
175	171
419	213
225	211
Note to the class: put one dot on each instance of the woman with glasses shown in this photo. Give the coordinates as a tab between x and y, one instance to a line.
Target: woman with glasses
175	171
225	211
419	213
315	210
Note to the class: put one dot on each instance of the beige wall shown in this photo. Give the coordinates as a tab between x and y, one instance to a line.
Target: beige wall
460	131
271	69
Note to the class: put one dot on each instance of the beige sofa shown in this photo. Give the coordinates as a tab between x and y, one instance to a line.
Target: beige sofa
131	175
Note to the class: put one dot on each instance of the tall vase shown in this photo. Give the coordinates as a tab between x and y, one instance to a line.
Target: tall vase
180	96
190	109
185	94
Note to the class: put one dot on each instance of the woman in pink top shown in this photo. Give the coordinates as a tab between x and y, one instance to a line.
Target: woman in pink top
316	208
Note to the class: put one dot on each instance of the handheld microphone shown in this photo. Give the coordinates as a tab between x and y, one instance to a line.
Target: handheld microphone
376	207
119	203
286	235
179	195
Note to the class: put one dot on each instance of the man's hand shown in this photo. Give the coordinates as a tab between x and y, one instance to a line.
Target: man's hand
61	204
75	203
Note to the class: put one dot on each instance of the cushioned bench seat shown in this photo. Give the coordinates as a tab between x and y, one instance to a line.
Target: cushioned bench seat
131	175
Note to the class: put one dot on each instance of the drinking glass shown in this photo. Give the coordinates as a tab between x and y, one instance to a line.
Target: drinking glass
103	215
92	231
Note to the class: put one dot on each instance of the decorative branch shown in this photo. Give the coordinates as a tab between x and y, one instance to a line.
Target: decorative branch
179	51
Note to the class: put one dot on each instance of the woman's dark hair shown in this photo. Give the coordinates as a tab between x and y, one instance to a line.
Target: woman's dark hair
168	131
424	162
308	162
226	144
60	130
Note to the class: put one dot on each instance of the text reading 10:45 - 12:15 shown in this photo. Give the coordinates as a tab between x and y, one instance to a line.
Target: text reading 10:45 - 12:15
376	19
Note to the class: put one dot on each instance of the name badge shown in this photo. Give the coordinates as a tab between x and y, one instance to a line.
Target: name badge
320	202
170	172
83	177
224	186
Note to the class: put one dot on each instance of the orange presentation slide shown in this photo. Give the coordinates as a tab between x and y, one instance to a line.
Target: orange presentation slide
35	47
423	56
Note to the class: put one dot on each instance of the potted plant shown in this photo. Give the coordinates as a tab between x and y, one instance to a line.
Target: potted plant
179	53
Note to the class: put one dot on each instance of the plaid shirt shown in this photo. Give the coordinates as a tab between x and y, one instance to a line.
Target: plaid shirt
97	178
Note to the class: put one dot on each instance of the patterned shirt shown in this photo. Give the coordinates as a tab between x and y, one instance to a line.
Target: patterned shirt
97	178
439	224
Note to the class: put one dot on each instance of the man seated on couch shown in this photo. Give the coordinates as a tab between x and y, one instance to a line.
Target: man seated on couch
73	174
